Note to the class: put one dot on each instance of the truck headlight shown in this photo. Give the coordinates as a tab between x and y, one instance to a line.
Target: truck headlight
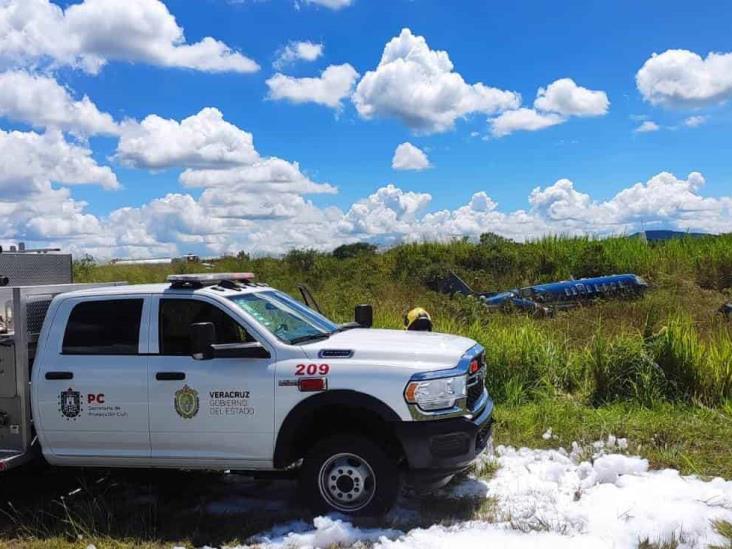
436	394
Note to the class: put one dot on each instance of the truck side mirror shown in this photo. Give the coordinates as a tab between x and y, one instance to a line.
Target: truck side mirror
364	315
203	336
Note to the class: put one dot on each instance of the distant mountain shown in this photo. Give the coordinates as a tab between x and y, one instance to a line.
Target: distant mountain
658	235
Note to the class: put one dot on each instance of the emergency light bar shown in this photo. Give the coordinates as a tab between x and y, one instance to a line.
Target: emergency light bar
207	279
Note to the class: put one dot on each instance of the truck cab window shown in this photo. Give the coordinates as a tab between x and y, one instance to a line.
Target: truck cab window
109	327
176	317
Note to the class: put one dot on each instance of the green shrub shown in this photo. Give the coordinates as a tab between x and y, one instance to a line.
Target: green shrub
347	251
302	260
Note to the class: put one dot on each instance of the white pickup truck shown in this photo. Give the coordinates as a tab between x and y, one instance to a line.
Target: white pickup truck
218	372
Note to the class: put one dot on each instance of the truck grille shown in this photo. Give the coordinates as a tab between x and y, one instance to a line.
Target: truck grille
475	391
476	383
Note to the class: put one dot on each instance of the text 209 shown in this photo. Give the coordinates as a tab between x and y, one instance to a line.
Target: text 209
312	369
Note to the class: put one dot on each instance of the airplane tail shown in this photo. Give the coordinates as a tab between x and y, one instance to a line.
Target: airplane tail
453	284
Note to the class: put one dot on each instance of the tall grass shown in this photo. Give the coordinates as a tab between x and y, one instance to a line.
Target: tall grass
694	369
524	362
669	346
622	369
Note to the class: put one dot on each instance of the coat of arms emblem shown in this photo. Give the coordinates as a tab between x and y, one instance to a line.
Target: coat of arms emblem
186	402
70	403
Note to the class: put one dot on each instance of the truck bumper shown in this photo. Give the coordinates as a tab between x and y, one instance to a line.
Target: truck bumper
436	450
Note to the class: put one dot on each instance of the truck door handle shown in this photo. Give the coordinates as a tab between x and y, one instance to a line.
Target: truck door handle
59	375
170	376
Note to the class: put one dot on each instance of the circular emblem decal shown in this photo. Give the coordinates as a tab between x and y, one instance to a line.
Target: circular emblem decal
186	402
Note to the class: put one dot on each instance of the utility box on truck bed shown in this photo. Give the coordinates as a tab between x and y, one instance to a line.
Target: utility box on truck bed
29	280
31	268
23	310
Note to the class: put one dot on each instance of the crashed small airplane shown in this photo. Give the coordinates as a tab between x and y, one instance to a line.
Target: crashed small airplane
542	299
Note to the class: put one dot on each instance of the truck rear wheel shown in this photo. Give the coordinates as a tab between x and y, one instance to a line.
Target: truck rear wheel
349	474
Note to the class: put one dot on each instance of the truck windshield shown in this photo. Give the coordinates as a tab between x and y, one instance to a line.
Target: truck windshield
289	320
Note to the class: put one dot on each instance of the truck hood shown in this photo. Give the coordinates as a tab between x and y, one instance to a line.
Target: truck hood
396	346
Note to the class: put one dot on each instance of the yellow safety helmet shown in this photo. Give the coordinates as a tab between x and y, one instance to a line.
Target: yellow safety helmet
418	320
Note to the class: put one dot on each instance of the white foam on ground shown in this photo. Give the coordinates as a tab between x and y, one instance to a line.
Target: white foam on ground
327	532
556	499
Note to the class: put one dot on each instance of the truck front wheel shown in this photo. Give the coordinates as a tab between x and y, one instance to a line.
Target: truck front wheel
349	474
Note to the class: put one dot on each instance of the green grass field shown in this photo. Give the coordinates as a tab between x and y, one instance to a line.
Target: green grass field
593	370
669	347
657	370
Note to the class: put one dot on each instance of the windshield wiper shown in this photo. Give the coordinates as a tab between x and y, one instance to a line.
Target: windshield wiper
310	337
325	335
347	326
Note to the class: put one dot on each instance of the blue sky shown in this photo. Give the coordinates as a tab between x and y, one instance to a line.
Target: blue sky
517	49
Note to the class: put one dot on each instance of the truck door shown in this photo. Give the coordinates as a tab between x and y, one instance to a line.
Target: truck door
217	409
90	386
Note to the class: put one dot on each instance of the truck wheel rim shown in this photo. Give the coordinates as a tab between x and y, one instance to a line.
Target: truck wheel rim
347	482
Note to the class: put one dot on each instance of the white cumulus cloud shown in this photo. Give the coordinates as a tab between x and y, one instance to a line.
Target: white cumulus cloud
523	119
553	105
389	212
663	201
683	78
565	97
695	121
30	207
267	175
202	140
91	33
392	215
298	51
418	86
31	161
409	157
214	153
223	219
244	201
333	85
647	126
42	102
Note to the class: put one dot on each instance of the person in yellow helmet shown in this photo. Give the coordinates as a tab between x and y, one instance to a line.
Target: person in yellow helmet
418	320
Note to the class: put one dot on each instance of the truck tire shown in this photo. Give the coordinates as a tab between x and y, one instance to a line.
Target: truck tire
349	474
